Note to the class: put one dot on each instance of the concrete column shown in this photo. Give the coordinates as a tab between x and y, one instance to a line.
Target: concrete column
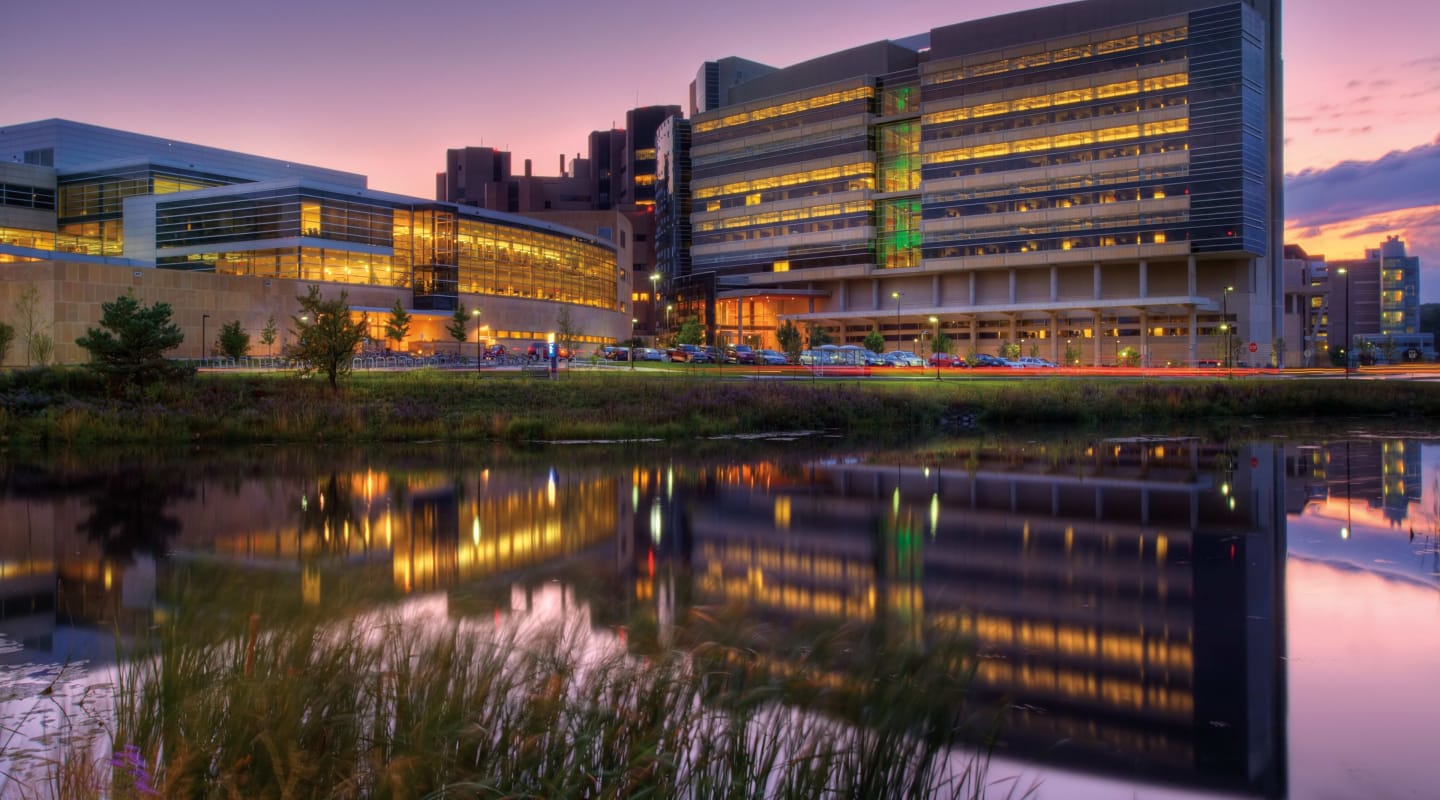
1144	331
1012	286
1054	284
935	290
974	332
1190	276
1098	337
1144	279
1054	335
874	292
972	289
1194	321
1098	293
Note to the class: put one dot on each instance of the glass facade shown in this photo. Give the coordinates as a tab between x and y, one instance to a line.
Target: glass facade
1148	133
91	203
437	250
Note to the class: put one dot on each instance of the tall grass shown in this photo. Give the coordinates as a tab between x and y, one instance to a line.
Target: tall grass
385	708
43	409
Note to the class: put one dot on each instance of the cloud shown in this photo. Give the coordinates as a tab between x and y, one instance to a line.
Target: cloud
1398	180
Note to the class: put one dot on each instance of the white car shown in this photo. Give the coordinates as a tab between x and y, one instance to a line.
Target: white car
903	358
1031	362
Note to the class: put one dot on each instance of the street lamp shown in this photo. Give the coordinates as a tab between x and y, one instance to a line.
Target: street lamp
934	337
654	297
897	296
1225	326
630	351
668	308
203	317
1345	346
475	314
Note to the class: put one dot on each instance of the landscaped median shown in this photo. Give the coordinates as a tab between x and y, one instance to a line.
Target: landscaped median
66	406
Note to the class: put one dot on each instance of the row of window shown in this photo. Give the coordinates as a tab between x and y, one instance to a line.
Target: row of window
791	229
93	196
1110	45
1065	226
1059	141
1177	144
1063	184
17	195
788	215
20	237
1073	200
754	187
785	109
1065	97
934	250
1152	102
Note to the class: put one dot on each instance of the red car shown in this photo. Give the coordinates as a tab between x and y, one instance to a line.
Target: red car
947	360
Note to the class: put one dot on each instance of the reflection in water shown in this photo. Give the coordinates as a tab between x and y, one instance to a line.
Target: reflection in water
1125	597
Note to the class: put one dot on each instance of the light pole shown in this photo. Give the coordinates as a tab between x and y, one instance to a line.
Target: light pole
630	351
475	314
203	317
1345	346
668	308
934	337
1225	326
654	298
898	338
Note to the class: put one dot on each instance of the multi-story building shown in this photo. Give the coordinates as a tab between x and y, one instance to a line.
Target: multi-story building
1104	173
1372	303
78	197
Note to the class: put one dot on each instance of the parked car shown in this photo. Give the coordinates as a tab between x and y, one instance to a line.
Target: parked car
495	351
1033	362
770	358
650	354
690	353
987	360
739	354
947	360
904	358
618	354
860	356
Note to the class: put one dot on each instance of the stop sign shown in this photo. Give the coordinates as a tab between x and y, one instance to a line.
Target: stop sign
1254	347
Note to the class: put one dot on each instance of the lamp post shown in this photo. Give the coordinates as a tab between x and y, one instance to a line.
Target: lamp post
630	351
654	298
475	314
1225	326
668	308
203	317
1345	346
898	338
934	337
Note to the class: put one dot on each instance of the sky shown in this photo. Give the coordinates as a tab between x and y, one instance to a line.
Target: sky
384	88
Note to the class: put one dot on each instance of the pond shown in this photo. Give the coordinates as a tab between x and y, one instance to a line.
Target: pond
1140	616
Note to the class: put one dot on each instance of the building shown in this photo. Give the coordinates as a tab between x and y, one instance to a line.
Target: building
1372	303
1102	176
102	211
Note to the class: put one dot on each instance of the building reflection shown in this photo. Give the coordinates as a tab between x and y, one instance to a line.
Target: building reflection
1126	599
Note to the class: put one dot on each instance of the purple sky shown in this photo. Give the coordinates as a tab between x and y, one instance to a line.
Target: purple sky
384	88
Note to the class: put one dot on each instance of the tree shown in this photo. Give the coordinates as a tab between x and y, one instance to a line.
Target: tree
818	336
1072	354
234	341
942	343
268	334
874	341
129	346
1009	349
27	312
790	339
566	333
456	326
691	332
1035	349
397	326
1277	353
7	336
325	335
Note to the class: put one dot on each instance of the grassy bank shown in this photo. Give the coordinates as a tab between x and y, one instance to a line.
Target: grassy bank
60	407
